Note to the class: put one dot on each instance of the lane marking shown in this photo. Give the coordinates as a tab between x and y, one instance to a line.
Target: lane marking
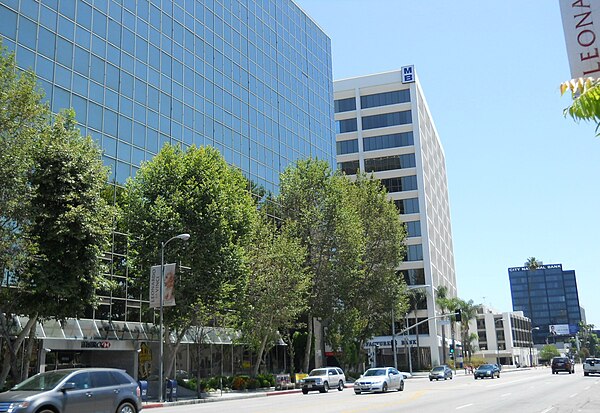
506	394
588	387
547	410
463	406
573	395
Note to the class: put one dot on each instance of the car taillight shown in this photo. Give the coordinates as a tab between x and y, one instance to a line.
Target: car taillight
138	392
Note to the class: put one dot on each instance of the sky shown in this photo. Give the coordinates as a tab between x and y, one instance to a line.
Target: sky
523	179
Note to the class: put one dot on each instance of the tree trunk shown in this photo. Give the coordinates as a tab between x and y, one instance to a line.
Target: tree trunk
13	346
308	348
259	355
27	359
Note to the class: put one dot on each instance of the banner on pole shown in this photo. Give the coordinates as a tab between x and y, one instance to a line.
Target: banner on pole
169	287
155	286
581	24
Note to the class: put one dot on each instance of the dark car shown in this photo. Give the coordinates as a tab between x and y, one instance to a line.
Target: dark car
486	370
101	390
562	364
440	372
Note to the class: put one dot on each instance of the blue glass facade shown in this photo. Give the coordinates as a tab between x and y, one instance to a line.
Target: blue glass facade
549	297
251	78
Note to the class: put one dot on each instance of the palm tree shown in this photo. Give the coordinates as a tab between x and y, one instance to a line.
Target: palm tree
442	302
533	264
468	313
586	100
415	296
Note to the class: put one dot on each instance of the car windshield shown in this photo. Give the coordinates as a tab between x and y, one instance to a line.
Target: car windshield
486	367
375	372
42	381
318	372
436	369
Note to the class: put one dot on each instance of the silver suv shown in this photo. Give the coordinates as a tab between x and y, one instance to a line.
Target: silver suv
74	391
323	379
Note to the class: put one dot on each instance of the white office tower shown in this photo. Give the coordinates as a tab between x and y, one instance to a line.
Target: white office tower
384	127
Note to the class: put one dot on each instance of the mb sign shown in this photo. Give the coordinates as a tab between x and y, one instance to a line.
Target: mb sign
408	74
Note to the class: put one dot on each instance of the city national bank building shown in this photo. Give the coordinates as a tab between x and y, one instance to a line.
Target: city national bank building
251	78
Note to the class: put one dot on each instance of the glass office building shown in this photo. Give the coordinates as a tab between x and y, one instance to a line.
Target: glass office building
251	78
548	296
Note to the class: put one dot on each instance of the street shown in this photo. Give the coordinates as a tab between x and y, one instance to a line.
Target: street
524	391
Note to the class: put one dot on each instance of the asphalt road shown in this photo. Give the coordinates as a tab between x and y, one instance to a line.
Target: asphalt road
536	391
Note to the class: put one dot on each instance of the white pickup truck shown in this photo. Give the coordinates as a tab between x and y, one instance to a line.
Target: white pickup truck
591	365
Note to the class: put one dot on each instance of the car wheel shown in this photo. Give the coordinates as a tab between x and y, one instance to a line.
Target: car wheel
304	391
401	387
126	408
325	388
356	391
430	379
340	386
384	388
45	410
586	374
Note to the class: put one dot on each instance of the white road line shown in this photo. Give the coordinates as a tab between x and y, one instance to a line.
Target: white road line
547	410
588	387
463	406
506	394
573	395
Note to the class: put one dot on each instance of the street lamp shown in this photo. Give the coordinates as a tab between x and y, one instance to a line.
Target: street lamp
531	346
183	237
498	342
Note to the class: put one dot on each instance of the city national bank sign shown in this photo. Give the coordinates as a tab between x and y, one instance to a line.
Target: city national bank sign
581	24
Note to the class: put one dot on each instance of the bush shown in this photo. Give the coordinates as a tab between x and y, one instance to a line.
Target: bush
252	383
239	383
266	380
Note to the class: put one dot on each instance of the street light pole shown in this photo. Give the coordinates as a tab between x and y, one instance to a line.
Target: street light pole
531	346
394	340
183	237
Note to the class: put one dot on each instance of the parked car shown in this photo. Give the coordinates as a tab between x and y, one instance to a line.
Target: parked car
323	379
440	372
562	364
379	379
486	370
100	390
591	365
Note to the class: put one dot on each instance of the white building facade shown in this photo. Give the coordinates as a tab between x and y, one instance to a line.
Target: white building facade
384	127
503	338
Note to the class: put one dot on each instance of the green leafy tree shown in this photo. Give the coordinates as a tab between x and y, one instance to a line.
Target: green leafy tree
365	303
276	292
468	313
443	302
193	192
585	93
313	207
549	351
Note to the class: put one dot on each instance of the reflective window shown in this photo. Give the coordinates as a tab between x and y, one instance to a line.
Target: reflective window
407	206
414	276
344	105
344	147
386	98
8	28
413	228
398	184
388	163
386	119
349	168
346	125
414	252
394	140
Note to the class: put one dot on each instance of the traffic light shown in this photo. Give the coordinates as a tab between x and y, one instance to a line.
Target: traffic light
451	348
458	315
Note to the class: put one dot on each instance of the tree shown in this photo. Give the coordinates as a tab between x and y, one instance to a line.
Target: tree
585	93
375	292
468	313
533	263
313	208
69	223
193	192
276	291
415	297
443	302
549	351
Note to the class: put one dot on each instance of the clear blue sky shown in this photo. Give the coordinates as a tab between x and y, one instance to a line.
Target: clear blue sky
523	179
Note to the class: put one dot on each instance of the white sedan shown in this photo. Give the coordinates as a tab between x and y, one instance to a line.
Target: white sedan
379	379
